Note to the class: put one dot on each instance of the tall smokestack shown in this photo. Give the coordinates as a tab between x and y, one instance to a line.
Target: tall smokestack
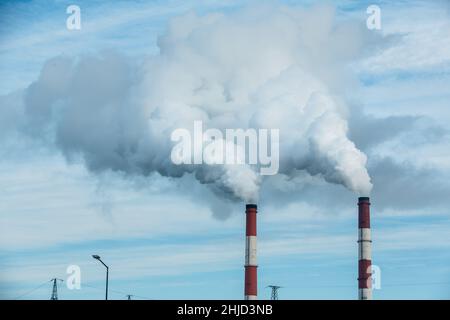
251	275
365	250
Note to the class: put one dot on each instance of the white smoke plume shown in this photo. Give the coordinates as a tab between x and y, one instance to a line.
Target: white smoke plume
268	67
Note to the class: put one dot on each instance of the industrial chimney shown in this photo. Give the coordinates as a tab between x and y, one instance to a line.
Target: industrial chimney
365	250
251	276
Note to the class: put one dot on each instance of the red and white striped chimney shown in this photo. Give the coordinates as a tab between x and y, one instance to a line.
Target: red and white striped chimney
365	250
251	275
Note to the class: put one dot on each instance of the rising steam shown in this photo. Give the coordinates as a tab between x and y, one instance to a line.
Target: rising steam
267	68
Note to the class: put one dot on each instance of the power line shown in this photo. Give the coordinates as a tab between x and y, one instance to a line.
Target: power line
274	294
55	294
32	290
118	292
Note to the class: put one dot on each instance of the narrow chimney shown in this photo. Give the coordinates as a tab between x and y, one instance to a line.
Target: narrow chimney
251	288
365	250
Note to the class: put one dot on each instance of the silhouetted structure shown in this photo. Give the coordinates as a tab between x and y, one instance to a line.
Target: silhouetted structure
274	295
55	289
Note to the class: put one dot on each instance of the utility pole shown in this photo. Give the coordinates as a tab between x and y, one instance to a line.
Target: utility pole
55	288
274	295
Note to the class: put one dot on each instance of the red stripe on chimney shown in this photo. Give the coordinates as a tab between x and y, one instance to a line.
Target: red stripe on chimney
251	287
364	212
251	222
364	280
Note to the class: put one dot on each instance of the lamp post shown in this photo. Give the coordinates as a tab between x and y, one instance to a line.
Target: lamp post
97	257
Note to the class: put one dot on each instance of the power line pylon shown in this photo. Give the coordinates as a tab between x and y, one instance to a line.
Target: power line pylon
274	295
55	288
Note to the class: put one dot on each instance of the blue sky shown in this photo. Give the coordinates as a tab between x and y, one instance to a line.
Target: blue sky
162	242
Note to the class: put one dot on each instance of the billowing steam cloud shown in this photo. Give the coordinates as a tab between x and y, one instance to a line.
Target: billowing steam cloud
266	68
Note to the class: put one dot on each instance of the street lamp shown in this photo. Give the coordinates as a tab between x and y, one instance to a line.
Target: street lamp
97	257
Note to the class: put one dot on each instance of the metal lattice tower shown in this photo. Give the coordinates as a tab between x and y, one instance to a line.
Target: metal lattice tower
55	288
274	294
